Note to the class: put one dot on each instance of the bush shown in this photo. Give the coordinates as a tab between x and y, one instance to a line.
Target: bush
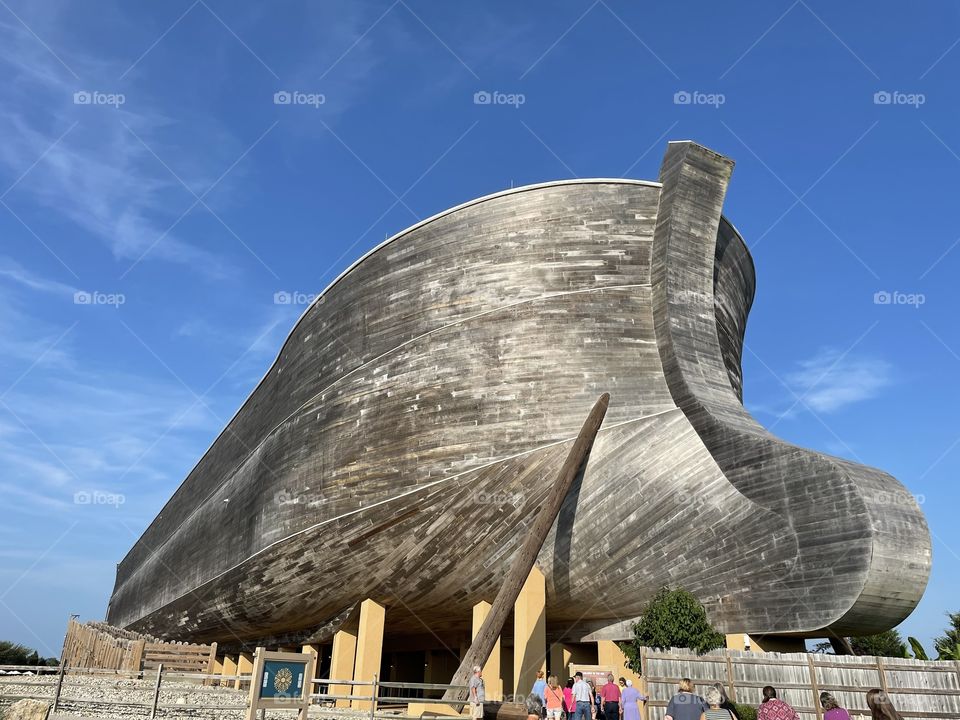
746	712
885	644
673	618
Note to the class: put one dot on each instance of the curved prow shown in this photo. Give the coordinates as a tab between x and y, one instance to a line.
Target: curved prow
877	552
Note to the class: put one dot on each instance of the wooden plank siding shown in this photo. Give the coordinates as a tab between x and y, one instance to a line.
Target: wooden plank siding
408	429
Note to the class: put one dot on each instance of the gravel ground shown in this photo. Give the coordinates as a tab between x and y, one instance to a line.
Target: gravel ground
103	692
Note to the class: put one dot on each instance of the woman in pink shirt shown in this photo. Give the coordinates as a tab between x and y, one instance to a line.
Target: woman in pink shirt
568	702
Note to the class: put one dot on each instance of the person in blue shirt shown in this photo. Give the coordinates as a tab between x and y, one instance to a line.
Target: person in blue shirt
540	687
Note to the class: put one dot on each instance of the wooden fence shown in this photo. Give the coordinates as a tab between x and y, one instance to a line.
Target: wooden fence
95	645
919	689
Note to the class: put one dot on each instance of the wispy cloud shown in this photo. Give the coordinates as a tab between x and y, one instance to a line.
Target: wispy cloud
83	163
830	380
12	270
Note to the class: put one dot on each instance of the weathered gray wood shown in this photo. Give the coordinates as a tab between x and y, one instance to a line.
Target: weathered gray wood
418	406
525	559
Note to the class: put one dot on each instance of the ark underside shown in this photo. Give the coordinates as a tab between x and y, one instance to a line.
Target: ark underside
420	408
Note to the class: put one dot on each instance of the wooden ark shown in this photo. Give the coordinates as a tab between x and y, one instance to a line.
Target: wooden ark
416	415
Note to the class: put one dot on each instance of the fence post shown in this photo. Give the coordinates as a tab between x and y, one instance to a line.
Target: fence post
56	696
156	692
135	658
883	676
730	686
373	697
644	671
816	688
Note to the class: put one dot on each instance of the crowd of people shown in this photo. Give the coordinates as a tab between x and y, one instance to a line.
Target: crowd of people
580	699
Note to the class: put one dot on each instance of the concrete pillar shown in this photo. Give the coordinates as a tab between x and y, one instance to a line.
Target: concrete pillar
369	648
341	663
244	667
610	655
738	641
315	651
530	632
229	666
560	656
492	677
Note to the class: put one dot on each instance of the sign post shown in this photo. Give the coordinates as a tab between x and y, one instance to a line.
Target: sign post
281	681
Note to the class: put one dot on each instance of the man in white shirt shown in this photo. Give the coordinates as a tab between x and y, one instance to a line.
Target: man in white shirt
583	698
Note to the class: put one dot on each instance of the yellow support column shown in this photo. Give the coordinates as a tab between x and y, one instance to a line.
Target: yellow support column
341	663
738	641
244	667
530	632
560	656
369	649
492	679
229	667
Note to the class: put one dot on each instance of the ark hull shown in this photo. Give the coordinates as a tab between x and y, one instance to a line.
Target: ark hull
423	404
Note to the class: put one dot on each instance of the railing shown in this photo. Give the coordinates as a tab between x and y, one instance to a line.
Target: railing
376	696
326	692
61	687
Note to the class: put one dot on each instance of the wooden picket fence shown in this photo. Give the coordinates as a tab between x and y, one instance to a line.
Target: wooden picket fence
918	688
96	645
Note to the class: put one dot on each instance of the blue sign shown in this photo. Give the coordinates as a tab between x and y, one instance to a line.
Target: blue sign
283	679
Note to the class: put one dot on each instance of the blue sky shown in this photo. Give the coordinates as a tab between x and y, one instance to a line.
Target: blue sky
145	163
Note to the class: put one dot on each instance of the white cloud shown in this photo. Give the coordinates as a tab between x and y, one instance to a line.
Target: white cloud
830	380
99	176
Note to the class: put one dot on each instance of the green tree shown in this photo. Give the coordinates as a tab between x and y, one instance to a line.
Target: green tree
885	644
918	652
12	653
948	644
673	618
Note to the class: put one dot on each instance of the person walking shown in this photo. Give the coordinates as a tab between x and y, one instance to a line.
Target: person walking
582	698
610	694
554	699
685	705
773	708
477	695
539	686
629	702
594	701
714	698
568	703
831	708
725	702
881	707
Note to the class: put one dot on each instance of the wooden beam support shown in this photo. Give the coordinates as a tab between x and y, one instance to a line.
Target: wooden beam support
513	583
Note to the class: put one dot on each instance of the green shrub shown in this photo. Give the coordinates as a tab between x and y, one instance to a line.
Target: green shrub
746	712
673	618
